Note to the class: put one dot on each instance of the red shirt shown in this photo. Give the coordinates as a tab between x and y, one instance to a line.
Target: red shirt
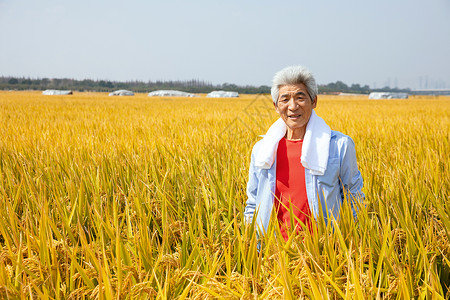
290	190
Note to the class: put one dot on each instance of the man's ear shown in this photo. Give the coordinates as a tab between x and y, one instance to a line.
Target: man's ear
314	104
276	107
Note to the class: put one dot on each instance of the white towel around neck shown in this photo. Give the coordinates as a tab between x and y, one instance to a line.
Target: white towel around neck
315	148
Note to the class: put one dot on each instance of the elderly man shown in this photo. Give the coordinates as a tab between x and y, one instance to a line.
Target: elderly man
300	162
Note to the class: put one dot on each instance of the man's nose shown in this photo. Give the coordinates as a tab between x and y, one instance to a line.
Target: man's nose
293	105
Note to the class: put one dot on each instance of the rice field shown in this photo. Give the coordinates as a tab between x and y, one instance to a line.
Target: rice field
143	197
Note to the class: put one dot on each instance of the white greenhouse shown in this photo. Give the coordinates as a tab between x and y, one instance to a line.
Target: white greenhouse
57	92
388	95
122	93
222	94
170	93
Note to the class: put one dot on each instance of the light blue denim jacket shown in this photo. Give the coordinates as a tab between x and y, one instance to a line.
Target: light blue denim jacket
341	174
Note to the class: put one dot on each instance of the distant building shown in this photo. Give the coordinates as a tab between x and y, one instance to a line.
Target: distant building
57	92
431	92
351	94
170	93
388	95
222	94
122	93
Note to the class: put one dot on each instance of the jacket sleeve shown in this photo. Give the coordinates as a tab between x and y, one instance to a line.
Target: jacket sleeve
252	186
351	178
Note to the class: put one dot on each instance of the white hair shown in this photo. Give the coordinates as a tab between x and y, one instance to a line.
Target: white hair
294	75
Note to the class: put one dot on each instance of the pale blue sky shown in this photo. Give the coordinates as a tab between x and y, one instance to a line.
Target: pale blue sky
244	42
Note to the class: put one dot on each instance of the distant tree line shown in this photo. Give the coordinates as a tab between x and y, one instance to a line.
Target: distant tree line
192	86
340	87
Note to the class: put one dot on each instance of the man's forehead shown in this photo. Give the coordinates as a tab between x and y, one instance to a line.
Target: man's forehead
292	90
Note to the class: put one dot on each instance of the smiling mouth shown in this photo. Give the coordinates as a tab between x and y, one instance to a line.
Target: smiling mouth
294	116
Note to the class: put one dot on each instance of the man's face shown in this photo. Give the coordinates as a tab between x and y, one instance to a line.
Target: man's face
295	107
